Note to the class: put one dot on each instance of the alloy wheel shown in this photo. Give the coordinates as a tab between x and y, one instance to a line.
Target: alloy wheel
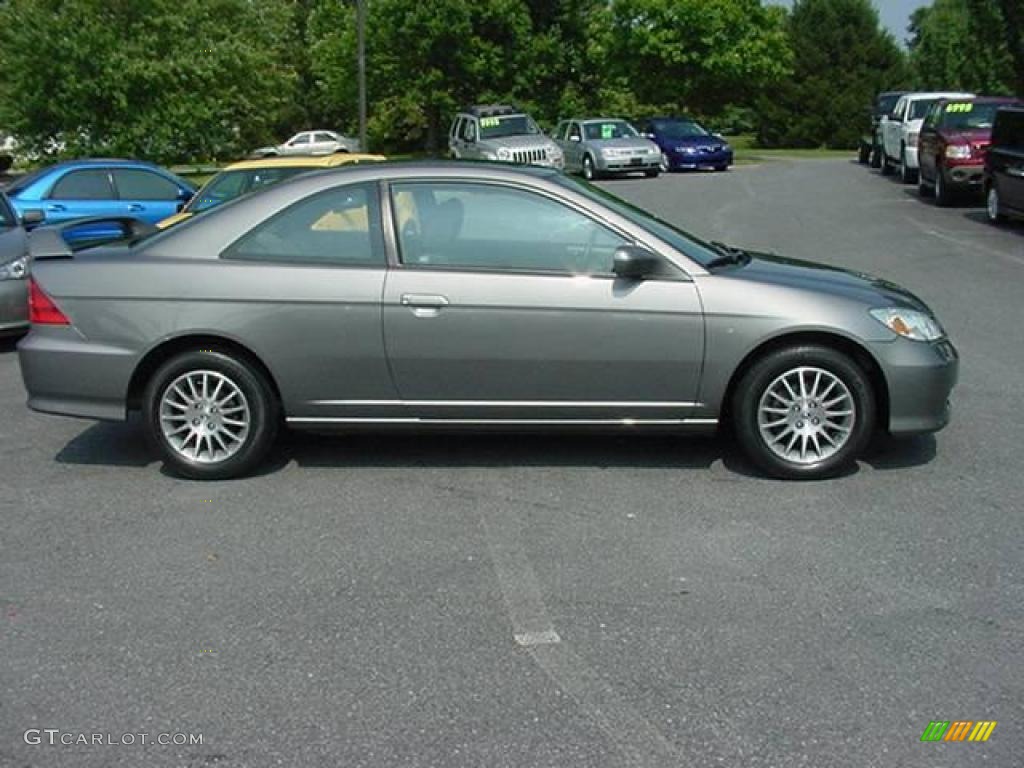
992	206
204	416
806	415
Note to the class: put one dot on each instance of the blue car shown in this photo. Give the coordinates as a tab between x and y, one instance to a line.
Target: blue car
87	188
686	144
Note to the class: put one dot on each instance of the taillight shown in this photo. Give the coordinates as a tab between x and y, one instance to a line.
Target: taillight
41	309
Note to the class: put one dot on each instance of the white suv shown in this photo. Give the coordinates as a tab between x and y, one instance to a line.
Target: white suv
900	131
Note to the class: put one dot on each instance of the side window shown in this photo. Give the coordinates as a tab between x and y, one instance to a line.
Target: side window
302	138
468	130
322	138
574	131
456	128
340	226
134	184
83	185
490	227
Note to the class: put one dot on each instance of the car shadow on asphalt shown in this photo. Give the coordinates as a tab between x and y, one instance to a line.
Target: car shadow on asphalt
979	216
125	445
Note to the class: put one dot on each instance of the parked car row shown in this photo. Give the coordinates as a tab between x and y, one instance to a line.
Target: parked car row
593	147
952	144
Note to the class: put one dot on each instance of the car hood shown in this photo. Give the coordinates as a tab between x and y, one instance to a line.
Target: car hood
821	278
625	142
12	244
519	142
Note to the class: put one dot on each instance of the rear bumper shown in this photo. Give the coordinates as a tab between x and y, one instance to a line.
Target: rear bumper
67	375
920	378
13	306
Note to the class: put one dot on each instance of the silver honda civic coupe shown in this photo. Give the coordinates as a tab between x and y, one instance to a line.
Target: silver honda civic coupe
473	296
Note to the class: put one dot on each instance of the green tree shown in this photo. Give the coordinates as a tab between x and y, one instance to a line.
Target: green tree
956	46
698	55
842	58
424	60
164	79
1000	24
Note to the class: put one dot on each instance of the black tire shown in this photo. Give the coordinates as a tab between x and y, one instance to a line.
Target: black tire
886	164
864	155
589	172
924	189
876	157
721	168
943	194
652	174
264	414
993	205
756	381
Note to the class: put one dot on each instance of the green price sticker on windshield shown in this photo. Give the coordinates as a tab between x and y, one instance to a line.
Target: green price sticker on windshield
607	131
489	122
959	108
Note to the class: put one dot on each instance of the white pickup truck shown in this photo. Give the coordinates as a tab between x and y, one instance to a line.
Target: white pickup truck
900	131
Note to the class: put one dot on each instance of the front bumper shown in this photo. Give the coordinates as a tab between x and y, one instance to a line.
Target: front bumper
680	161
920	378
13	306
969	176
628	164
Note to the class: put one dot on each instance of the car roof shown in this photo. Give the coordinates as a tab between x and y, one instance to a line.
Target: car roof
986	99
324	161
603	120
918	95
490	110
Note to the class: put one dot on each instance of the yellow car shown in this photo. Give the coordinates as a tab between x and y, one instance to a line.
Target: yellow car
249	175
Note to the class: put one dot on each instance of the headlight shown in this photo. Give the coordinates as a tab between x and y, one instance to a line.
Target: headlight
14	270
911	139
492	156
555	152
909	323
726	148
958	151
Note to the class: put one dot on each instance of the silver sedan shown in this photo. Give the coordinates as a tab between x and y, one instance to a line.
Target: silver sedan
471	296
13	272
604	146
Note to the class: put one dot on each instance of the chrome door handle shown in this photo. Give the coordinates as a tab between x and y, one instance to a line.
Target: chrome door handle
424	300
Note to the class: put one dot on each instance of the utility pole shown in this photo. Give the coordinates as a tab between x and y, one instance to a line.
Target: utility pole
361	56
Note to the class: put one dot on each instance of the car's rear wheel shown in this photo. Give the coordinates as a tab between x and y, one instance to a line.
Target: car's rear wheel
994	206
804	412
864	156
876	157
211	415
886	164
721	168
924	189
907	174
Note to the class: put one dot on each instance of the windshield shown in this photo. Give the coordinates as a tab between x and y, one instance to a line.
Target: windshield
698	250
608	129
507	125
919	108
231	184
965	116
678	129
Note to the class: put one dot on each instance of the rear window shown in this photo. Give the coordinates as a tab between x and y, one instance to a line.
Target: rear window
1009	129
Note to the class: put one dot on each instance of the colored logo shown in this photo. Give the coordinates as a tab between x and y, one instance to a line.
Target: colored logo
958	730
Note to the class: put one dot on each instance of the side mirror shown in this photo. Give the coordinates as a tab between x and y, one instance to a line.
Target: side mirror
33	217
631	262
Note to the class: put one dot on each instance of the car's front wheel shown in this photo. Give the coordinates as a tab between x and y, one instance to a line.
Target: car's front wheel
804	412
908	175
652	173
211	415
943	195
589	172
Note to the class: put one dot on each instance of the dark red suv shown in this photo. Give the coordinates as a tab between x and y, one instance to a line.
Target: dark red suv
952	145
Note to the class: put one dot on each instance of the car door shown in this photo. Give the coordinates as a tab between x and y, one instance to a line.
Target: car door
469	145
298	145
147	195
79	193
558	136
894	130
1008	159
574	146
501	307
323	144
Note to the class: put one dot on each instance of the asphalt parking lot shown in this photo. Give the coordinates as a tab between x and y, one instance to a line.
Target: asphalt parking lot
548	601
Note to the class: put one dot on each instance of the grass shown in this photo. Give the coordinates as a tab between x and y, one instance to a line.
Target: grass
748	154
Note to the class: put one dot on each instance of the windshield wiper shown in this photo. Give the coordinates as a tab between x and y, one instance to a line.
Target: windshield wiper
729	255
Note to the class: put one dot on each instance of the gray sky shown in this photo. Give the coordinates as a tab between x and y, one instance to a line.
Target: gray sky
895	14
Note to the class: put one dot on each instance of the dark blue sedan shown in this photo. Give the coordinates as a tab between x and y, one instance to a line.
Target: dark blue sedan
81	188
686	144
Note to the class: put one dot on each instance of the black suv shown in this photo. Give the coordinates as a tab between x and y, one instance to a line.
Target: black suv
1004	166
871	143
